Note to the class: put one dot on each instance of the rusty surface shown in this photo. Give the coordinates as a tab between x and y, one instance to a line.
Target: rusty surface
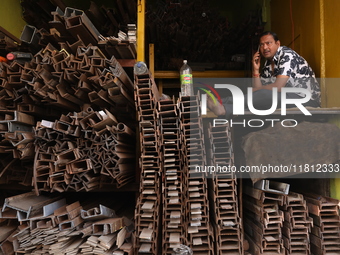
147	212
227	219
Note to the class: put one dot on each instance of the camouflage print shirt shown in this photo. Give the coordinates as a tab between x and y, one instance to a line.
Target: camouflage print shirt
288	62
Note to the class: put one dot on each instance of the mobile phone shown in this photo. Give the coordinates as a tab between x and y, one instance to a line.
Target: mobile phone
258	50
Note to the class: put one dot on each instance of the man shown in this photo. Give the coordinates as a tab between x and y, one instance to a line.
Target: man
283	68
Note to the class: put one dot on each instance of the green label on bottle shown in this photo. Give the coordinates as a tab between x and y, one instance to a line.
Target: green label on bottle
186	78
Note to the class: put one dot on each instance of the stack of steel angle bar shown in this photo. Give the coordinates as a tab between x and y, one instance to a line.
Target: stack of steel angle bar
173	207
37	225
263	220
69	25
226	214
147	216
67	71
325	236
297	225
83	151
198	228
79	96
172	177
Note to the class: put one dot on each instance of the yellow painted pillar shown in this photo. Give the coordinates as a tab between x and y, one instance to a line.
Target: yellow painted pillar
11	17
335	181
141	30
335	188
322	55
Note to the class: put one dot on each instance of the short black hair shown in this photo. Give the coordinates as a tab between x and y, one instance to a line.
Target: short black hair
276	38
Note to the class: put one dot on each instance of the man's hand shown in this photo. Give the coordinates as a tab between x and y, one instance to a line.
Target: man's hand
218	109
256	89
256	62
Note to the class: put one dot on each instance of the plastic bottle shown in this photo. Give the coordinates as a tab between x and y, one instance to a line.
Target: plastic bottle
140	68
187	88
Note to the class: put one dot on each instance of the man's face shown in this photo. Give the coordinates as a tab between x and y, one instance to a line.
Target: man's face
268	46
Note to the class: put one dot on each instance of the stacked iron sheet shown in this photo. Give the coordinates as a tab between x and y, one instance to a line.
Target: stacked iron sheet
325	236
297	225
263	220
172	177
198	228
147	215
228	224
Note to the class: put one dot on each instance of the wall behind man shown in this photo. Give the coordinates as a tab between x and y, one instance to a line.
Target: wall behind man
332	51
331	10
297	23
312	22
11	17
314	30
